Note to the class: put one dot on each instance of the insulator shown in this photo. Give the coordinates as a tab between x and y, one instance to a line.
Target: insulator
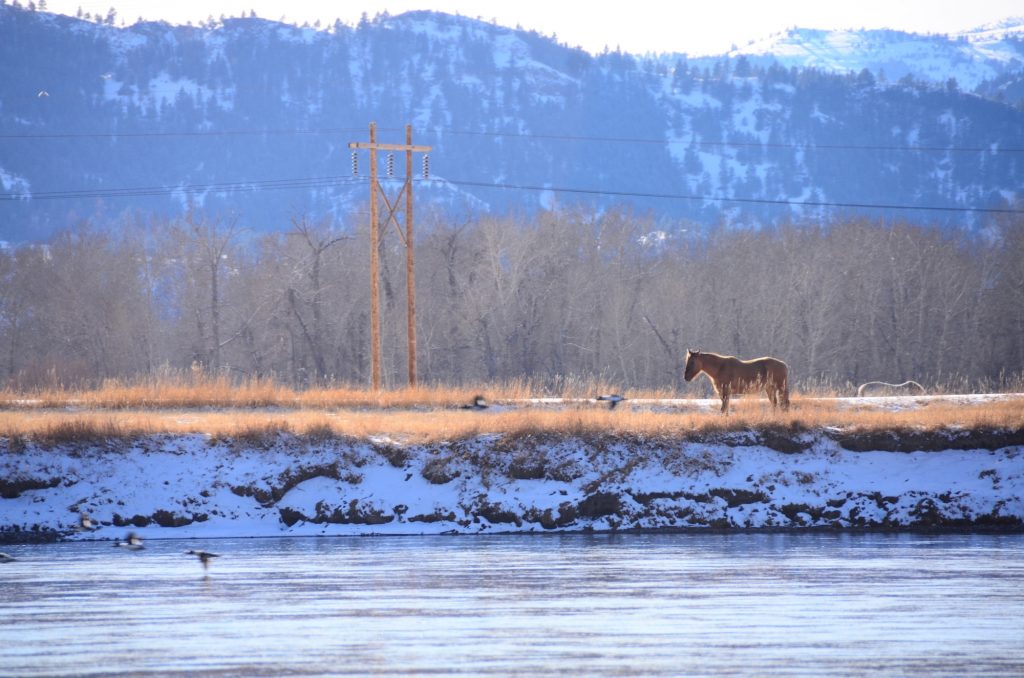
355	164
426	166
391	164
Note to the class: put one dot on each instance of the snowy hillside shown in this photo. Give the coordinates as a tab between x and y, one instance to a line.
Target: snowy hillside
969	58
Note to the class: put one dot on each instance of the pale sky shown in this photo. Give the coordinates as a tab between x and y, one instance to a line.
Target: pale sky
635	26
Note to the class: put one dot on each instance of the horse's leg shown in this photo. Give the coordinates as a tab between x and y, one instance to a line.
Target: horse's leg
773	394
725	400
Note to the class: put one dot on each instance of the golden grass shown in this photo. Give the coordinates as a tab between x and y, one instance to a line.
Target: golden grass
426	425
187	390
182	390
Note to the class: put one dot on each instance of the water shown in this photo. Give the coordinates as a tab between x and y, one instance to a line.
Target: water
684	604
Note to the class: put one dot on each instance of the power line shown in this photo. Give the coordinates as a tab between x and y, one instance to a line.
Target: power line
757	201
807	145
205	133
146	191
328	181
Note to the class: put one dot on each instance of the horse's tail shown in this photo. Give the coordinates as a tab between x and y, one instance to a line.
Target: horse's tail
777	377
784	388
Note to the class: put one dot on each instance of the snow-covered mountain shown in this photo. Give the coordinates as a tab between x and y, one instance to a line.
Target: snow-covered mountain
986	53
253	118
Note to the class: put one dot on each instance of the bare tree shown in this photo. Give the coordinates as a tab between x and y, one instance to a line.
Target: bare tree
204	250
316	240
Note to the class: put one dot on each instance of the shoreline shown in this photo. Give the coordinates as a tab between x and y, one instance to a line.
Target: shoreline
30	539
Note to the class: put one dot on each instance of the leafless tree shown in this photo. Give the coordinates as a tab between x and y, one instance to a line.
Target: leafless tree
611	296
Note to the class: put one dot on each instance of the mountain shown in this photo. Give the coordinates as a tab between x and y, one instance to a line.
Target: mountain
971	58
251	119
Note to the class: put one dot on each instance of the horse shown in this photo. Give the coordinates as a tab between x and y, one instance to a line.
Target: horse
730	375
884	388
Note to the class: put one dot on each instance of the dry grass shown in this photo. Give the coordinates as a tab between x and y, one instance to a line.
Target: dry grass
187	391
949	385
424	424
190	390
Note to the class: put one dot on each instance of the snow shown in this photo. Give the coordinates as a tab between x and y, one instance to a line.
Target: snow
124	40
547	198
294	486
819	116
696	98
508	50
301	36
14	184
970	57
163	89
746	112
997	31
949	121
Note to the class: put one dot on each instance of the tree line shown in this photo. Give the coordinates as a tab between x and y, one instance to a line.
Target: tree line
610	296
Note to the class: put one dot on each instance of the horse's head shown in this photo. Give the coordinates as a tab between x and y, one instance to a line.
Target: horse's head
693	365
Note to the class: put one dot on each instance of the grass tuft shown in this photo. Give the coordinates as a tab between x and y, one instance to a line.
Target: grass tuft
87	430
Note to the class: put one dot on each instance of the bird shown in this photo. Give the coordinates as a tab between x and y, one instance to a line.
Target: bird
85	522
612	399
204	556
478	404
43	93
133	542
6	558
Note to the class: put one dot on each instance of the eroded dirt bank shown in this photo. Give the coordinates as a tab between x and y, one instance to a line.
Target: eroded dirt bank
192	486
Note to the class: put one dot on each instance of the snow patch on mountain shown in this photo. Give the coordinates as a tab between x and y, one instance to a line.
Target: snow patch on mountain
970	57
164	90
996	31
14	184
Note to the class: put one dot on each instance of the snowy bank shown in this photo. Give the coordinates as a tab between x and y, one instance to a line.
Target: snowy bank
194	486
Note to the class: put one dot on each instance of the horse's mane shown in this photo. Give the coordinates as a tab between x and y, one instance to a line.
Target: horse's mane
720	356
713	355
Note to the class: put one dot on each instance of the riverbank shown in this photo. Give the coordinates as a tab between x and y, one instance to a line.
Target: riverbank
199	486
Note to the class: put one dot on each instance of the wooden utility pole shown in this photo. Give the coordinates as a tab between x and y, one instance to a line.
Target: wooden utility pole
410	287
374	264
392	218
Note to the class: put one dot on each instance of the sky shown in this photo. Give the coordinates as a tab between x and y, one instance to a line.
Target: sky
635	26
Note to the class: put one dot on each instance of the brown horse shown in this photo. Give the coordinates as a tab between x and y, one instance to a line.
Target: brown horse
731	376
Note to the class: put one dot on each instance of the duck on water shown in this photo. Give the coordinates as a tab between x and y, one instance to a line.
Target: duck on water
133	542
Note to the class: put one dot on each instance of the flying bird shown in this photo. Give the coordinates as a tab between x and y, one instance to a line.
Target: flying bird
204	557
6	558
43	93
612	399
132	543
478	404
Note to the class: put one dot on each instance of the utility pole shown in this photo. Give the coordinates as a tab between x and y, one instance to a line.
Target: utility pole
410	287
407	238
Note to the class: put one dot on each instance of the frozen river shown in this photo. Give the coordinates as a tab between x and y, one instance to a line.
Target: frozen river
630	604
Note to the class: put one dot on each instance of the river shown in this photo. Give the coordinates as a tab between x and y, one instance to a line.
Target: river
600	604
